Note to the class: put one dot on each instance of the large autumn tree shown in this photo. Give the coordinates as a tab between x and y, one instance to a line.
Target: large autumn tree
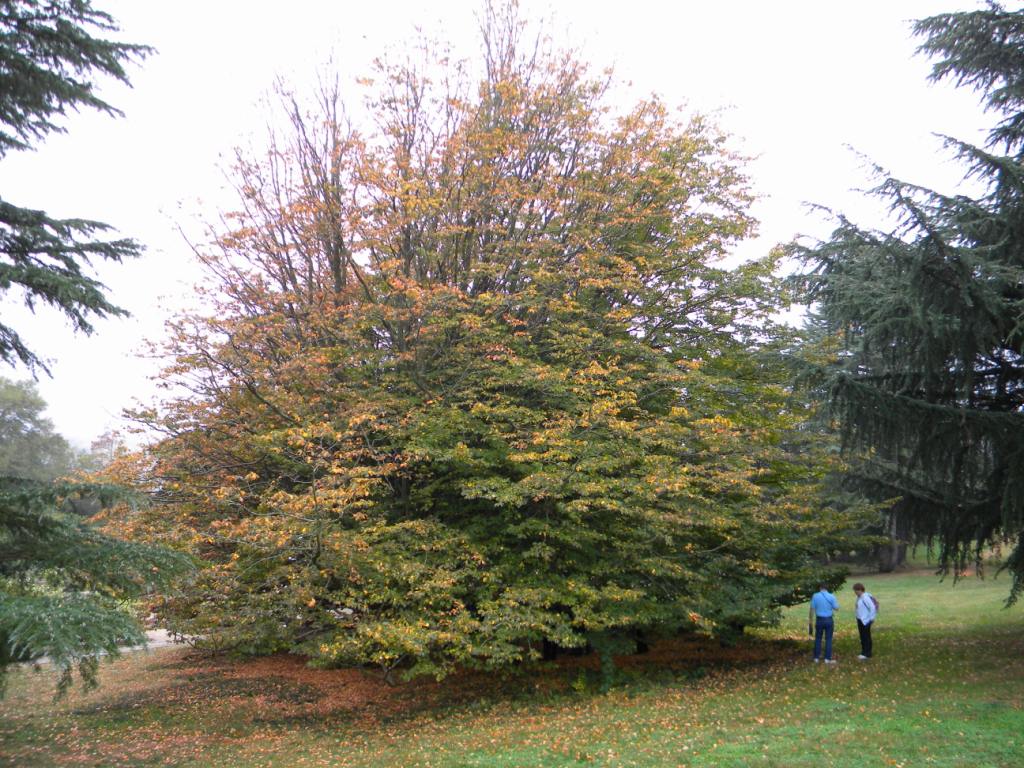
477	381
930	385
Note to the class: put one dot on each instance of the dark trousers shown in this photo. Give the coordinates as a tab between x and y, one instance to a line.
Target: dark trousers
823	628
865	638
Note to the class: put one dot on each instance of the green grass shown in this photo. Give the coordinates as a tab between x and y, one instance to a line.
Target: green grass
946	688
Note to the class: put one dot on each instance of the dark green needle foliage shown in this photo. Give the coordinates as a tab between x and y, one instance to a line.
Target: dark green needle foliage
65	587
930	386
48	59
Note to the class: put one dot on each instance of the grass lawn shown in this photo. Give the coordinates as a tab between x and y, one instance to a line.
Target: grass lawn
946	688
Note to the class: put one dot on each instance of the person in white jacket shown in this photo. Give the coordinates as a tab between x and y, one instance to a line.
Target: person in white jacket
866	613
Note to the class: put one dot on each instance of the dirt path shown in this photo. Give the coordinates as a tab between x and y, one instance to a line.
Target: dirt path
155	638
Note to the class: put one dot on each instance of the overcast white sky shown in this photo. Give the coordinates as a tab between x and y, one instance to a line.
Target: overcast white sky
797	82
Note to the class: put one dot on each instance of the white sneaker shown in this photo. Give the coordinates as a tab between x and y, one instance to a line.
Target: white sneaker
862	657
830	661
816	661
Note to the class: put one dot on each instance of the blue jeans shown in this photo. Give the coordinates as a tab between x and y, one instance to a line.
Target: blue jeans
823	627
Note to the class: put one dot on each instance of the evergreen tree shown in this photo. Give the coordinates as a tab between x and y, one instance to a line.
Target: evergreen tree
47	59
929	389
63	582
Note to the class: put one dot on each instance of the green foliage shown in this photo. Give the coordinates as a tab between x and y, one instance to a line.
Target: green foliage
63	583
929	387
29	448
71	629
47	59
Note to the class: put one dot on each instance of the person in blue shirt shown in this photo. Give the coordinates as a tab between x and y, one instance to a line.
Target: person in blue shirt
823	606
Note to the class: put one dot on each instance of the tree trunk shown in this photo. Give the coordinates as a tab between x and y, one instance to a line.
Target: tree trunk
892	554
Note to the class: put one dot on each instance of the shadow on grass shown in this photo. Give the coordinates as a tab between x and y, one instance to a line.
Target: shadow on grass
184	707
281	692
188	691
